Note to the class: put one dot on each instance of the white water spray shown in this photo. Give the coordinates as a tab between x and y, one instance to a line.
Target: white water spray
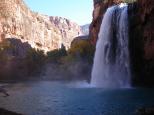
111	66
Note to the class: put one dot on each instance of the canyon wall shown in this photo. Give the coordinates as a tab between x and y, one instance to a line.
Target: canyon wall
100	7
142	41
68	30
146	12
42	32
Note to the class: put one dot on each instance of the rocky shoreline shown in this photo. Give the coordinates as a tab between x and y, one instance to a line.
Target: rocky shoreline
7	112
140	111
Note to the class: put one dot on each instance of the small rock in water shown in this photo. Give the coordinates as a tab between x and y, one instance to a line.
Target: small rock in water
4	92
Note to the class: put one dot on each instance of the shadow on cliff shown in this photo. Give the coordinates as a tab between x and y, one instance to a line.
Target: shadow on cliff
141	46
18	60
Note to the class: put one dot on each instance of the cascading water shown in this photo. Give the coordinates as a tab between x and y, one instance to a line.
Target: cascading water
111	66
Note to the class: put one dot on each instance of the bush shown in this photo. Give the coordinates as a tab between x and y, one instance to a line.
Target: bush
57	54
4	46
82	49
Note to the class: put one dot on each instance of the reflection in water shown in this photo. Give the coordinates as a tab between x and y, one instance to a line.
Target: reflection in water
79	84
72	98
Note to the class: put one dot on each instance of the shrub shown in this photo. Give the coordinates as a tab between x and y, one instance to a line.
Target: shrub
82	49
57	54
4	46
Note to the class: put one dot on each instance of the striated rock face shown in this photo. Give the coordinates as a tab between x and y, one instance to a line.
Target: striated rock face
68	30
40	31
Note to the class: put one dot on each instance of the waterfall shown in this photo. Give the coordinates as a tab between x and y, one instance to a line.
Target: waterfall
111	66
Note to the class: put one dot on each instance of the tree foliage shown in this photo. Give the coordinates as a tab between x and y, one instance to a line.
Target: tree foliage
82	49
56	54
4	46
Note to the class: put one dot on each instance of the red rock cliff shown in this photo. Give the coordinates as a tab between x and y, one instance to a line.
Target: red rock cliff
40	31
100	7
146	11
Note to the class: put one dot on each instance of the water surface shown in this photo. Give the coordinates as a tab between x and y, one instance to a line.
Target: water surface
75	98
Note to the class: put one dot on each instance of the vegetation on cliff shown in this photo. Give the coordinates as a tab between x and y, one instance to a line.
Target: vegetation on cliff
68	64
75	63
14	64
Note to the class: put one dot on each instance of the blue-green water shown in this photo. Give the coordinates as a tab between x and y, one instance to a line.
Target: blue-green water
61	98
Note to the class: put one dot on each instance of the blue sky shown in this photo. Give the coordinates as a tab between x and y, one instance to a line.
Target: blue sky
79	11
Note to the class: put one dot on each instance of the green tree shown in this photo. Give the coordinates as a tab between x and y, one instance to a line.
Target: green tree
4	46
83	49
57	54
